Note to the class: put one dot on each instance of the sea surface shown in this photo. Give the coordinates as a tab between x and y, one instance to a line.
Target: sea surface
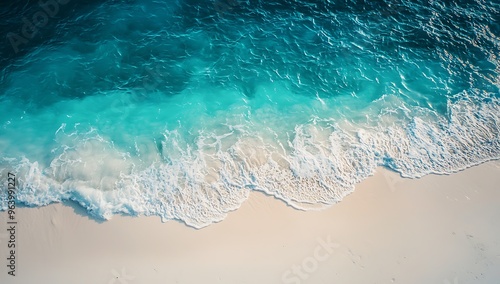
181	108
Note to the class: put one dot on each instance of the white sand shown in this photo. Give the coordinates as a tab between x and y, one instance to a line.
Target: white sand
438	229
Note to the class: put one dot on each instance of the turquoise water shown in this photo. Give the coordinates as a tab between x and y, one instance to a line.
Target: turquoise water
180	109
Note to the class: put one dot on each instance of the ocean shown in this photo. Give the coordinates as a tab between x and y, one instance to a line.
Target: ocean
181	108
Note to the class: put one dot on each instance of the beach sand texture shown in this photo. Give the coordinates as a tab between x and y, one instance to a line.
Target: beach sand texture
437	229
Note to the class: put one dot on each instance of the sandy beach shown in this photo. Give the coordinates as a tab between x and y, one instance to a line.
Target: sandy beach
437	229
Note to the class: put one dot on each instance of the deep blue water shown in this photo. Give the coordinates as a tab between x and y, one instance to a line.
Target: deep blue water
181	108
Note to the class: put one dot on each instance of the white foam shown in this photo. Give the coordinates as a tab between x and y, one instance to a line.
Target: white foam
199	184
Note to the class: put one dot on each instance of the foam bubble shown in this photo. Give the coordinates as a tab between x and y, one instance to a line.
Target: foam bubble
200	185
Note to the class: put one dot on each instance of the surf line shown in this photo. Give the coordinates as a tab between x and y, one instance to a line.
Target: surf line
11	223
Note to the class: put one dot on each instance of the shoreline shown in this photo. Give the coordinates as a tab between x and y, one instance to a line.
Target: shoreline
435	229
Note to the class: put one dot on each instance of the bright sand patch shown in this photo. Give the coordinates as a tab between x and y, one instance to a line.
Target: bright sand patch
437	229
